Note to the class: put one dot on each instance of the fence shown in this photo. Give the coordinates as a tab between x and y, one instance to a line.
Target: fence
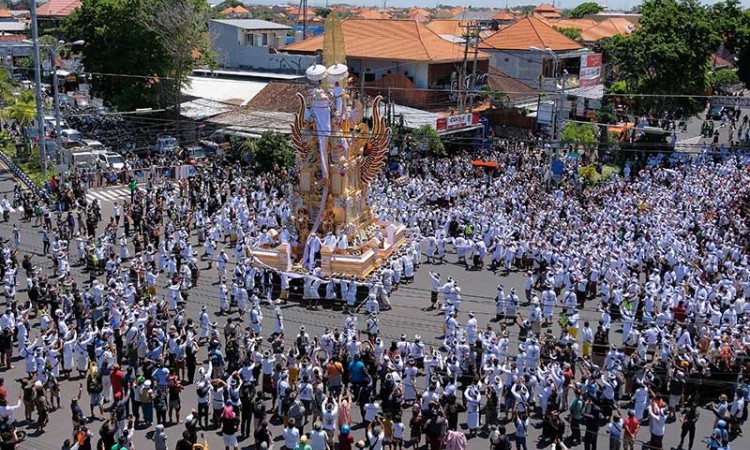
21	175
112	177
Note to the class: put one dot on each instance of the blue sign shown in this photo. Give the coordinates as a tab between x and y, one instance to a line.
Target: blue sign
557	167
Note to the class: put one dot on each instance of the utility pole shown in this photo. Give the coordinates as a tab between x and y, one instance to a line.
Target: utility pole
38	87
462	71
389	109
473	80
304	19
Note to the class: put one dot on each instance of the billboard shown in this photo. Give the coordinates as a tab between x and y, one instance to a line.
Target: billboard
591	70
458	122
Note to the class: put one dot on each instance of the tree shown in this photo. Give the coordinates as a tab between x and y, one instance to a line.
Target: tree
180	29
322	12
271	150
579	135
672	34
227	4
722	79
125	58
572	33
730	21
585	9
427	138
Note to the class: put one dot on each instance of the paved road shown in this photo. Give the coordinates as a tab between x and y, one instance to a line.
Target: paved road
408	316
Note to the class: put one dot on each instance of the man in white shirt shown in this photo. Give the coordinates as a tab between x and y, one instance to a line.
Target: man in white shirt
291	435
375	435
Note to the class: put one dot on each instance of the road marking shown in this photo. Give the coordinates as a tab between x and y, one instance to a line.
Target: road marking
109	195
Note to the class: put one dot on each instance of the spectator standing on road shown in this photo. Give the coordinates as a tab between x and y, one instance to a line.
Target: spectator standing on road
631	426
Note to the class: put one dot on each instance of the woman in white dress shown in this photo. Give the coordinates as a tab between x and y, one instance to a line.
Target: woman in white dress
473	398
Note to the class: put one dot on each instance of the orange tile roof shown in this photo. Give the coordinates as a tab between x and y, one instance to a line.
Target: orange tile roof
420	15
370	14
607	28
578	24
548	15
237	10
546	8
58	8
5	14
503	15
449	27
395	40
528	32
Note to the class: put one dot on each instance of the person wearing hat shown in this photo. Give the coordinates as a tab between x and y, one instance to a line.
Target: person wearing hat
631	425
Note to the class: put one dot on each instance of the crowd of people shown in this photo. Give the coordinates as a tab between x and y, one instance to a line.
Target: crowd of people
658	254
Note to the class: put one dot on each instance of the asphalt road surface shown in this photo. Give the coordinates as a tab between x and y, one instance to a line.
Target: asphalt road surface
407	316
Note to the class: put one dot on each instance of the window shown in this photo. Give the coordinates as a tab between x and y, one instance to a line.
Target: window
548	68
256	40
261	40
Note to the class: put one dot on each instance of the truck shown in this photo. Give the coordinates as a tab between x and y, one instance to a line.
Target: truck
165	145
78	159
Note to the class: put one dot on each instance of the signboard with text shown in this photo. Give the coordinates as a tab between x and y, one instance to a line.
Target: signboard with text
458	122
591	70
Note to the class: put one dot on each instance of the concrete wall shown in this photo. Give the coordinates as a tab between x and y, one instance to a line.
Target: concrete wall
526	66
227	42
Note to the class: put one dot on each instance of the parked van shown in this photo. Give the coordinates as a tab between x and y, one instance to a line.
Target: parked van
69	136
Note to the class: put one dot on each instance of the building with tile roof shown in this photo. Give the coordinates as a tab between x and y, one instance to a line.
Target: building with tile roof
446	27
370	13
547	11
528	32
504	17
57	8
403	54
607	28
512	54
236	12
578	24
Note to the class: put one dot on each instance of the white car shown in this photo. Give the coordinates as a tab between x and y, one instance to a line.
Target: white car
93	145
70	135
111	159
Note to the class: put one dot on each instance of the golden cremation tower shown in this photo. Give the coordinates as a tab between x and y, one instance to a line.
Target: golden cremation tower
338	156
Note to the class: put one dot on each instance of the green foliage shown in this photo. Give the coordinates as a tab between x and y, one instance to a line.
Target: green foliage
269	151
579	135
571	33
584	9
730	22
227	4
22	111
427	138
592	176
151	62
322	12
606	114
118	43
672	34
723	79
494	96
